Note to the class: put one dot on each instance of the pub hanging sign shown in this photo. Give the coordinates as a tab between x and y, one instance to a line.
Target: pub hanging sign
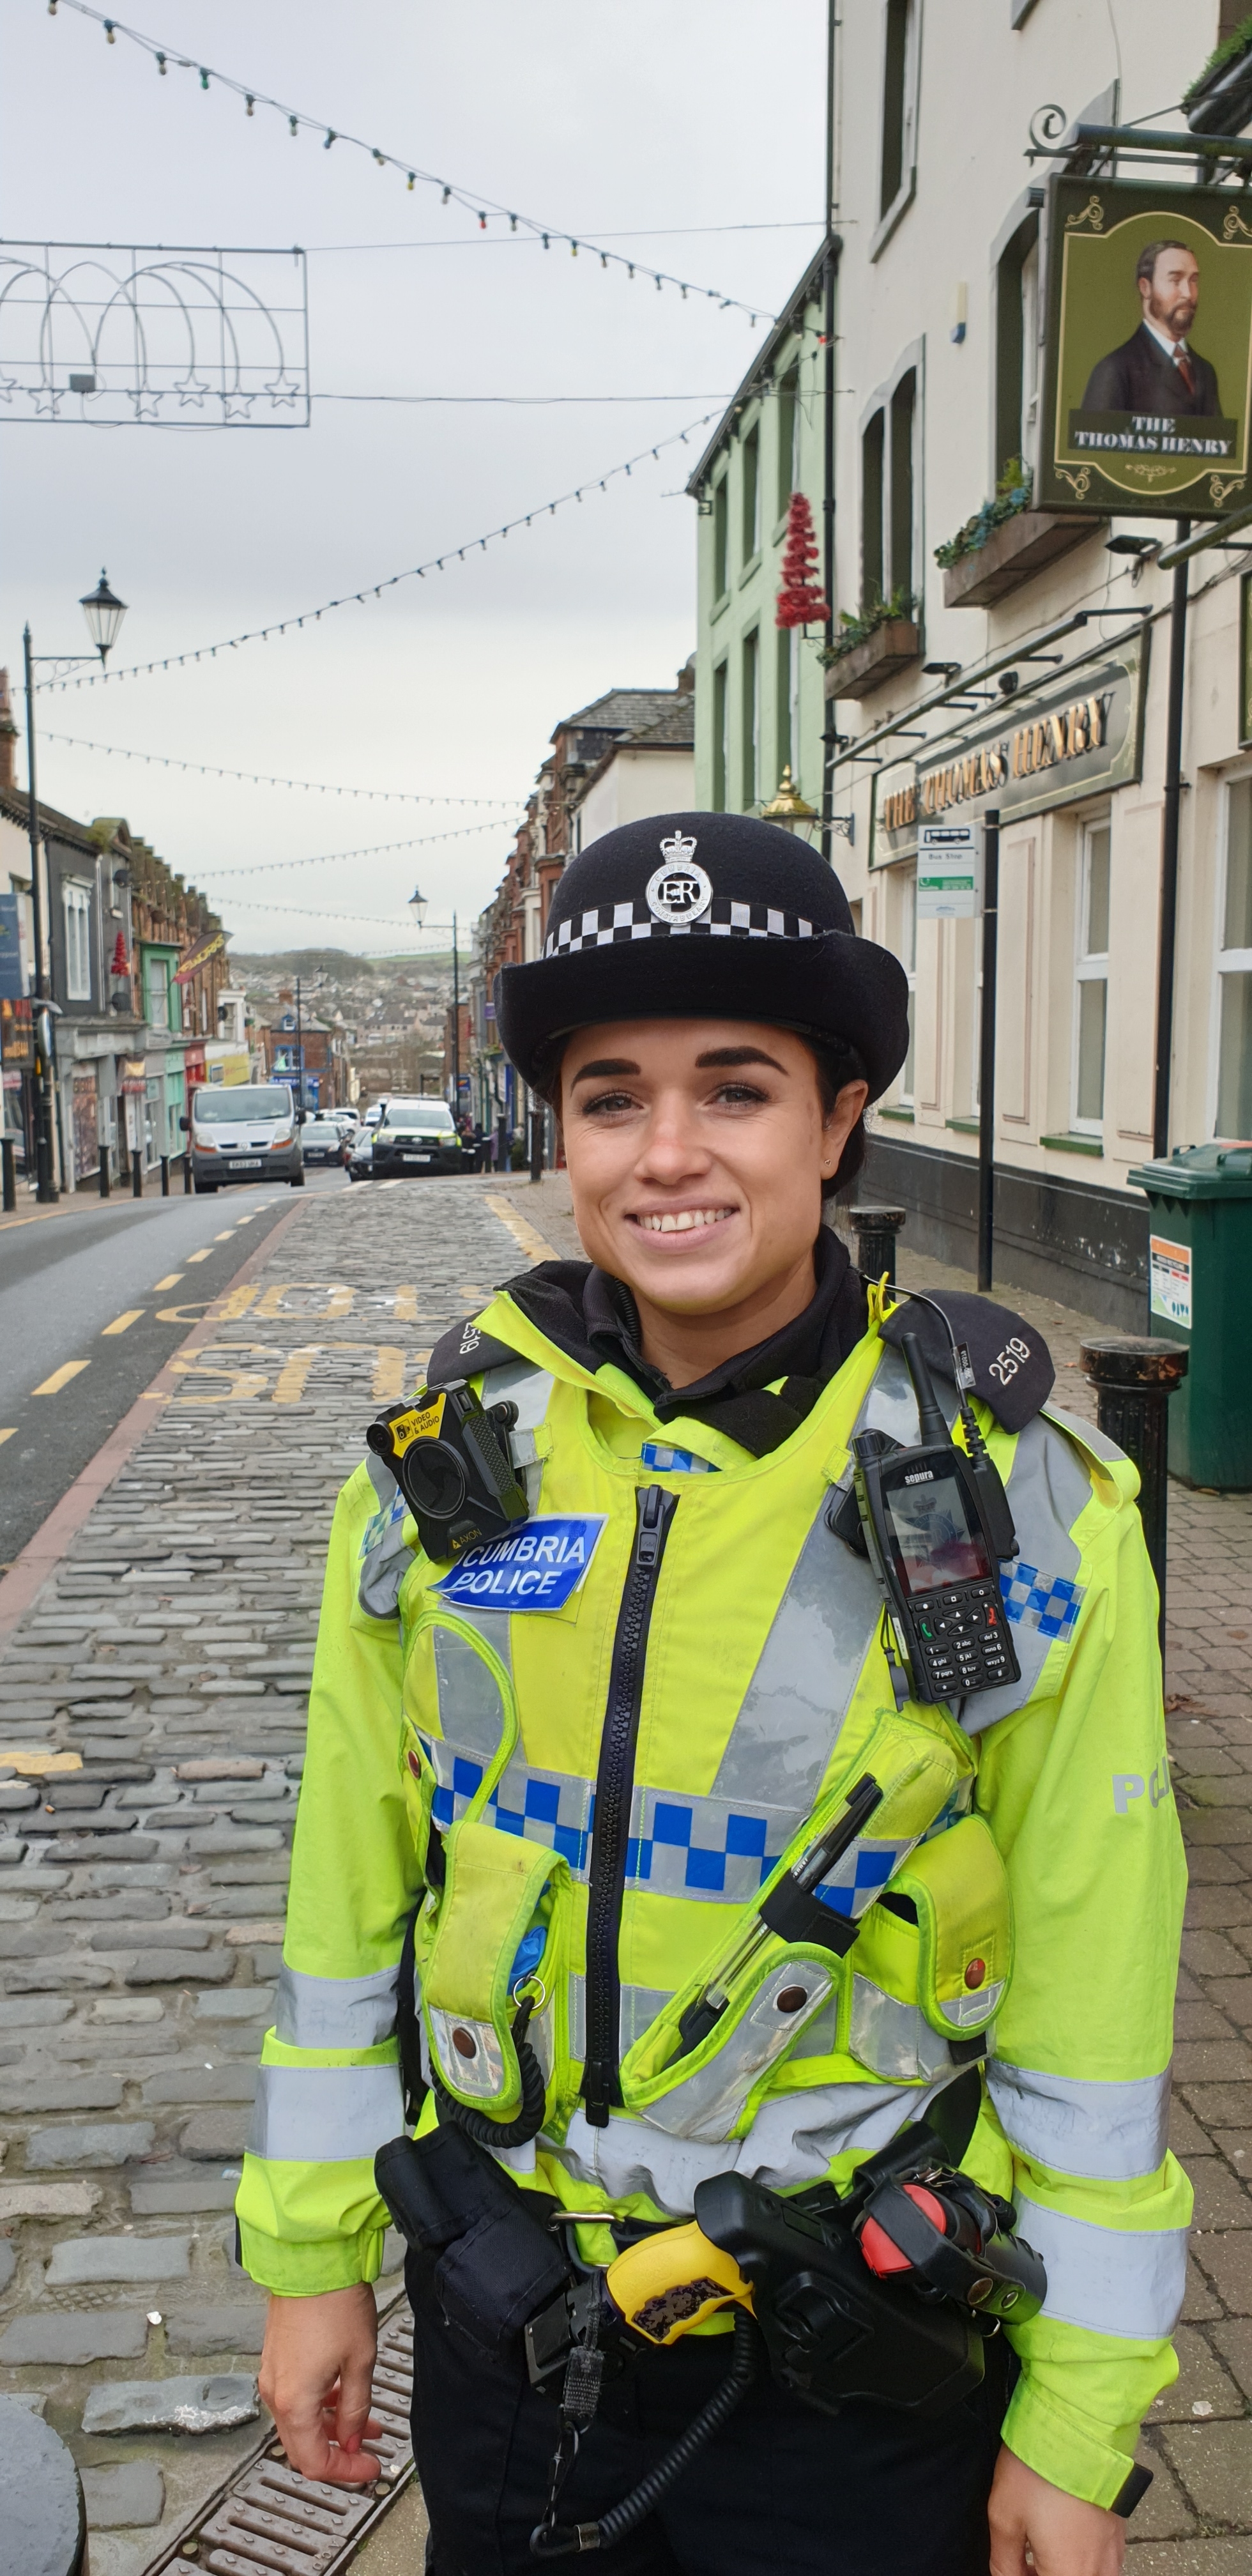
1078	736
1147	374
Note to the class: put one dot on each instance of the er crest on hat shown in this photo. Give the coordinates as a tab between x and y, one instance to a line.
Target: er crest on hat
680	891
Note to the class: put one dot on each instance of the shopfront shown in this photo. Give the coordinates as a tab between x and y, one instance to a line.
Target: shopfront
1054	745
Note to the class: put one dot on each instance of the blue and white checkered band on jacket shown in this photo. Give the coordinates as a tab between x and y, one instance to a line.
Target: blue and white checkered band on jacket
610	923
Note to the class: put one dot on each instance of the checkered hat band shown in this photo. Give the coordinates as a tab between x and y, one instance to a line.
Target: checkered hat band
610	924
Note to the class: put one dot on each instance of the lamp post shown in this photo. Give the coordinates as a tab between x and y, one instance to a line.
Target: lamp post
104	613
418	907
787	806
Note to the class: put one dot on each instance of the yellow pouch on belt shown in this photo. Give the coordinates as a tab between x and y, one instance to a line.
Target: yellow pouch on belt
497	1885
938	1944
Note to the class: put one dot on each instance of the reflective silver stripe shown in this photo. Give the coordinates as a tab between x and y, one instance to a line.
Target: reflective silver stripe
524	1384
894	2039
1048	1487
791	2141
1113	2281
1097	1441
708	2103
324	2115
335	2012
471	1710
1106	2132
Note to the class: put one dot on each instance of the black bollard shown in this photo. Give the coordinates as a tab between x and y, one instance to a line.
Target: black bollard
10	1174
188	1182
536	1144
876	1230
105	1175
136	1173
165	1176
502	1147
45	2526
1134	1379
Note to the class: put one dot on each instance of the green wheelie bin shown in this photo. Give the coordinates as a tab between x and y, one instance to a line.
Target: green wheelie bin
1200	1256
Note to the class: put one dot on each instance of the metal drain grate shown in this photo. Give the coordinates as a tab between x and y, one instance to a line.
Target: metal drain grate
270	2518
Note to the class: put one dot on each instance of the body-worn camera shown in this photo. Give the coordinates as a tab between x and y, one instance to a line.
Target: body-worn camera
449	1456
936	1522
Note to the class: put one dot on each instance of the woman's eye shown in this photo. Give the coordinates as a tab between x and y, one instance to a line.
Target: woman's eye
605	1103
739	1095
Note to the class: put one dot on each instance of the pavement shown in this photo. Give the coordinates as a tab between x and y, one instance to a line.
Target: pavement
152	1710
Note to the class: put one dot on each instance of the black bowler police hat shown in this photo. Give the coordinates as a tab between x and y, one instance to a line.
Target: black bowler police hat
705	916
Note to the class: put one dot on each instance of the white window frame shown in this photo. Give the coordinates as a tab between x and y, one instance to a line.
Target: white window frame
907	188
1091	966
76	916
1226	961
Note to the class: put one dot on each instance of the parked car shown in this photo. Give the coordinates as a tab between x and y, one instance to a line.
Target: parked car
415	1136
360	1155
243	1131
321	1141
374	1112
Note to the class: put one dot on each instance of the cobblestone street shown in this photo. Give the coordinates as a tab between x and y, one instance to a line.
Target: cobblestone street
152	1711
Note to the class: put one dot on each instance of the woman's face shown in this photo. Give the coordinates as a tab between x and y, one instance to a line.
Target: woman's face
697	1150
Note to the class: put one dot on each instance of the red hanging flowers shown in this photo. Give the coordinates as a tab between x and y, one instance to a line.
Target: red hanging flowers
801	600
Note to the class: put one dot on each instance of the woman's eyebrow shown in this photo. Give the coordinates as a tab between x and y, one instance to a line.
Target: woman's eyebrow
604	1066
737	1055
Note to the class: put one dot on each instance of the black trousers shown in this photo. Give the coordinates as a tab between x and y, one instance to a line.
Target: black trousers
865	2493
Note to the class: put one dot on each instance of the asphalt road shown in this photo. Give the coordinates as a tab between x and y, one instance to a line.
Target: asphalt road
93	1301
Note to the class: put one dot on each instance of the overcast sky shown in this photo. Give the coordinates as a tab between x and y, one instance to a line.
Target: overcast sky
648	122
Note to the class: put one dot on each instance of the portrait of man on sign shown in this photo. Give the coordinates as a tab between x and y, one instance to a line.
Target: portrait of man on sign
1157	370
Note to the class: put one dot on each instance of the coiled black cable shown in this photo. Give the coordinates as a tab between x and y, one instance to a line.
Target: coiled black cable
572	2539
501	2133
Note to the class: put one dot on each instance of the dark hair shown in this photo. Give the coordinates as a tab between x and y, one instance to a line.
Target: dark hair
836	1065
1150	254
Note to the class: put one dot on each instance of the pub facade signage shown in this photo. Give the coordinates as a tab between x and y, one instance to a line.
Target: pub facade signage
1147	374
1075	738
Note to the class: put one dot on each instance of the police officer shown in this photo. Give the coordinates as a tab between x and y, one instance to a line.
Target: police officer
566	1770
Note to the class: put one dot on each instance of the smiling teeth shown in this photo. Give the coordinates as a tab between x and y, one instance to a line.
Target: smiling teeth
685	1220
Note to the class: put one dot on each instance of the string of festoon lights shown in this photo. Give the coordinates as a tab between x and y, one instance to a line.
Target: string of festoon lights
485	210
263	778
373	850
374	590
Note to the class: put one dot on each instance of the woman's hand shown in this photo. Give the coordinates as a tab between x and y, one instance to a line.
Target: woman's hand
1064	2536
315	2377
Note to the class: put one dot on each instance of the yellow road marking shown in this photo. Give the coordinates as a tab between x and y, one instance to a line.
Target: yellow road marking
171	1282
222	1238
60	1377
35	1760
189	1314
531	1243
122	1323
8	1435
201	1256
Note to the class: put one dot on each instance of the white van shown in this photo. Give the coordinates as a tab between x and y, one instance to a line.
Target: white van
243	1131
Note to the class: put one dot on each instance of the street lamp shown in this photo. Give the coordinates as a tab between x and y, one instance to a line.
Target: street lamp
787	806
104	613
419	908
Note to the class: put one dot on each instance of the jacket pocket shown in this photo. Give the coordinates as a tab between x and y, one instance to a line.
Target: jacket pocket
934	1957
498	1930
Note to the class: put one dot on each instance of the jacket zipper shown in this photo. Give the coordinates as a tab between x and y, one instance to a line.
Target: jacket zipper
615	1781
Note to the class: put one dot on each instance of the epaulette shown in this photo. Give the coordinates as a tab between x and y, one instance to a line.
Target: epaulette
464	1351
1011	1363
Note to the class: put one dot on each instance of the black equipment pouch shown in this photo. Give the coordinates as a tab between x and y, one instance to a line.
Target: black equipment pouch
495	2262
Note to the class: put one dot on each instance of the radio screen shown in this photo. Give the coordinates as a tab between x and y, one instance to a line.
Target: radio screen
934	1539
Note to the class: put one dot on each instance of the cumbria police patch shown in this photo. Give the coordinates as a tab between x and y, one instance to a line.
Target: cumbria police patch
535	1567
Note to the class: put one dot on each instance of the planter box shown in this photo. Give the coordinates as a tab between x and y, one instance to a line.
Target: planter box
889	649
1013	554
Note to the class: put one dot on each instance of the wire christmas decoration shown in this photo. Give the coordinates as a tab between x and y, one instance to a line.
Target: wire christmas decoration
148	336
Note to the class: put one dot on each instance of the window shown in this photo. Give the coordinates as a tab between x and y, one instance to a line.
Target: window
788	438
751	720
1092	981
752	493
899	116
1017	346
903	407
908	959
720	745
76	900
785	730
156	992
873	566
1234	965
888	485
719	539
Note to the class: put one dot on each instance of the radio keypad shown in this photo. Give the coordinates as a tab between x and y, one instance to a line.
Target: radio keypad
962	1641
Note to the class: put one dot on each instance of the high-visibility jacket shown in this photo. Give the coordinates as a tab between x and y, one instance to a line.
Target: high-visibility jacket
1037	1841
